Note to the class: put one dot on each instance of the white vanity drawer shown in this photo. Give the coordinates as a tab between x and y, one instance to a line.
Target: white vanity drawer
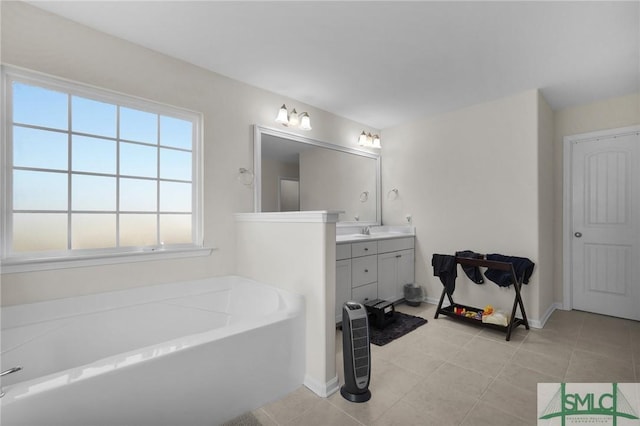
343	251
365	293
364	249
364	270
395	244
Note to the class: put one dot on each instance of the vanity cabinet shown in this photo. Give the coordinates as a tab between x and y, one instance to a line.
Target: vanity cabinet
395	269
373	269
343	285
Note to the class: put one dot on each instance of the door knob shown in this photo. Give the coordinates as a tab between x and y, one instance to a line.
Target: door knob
578	234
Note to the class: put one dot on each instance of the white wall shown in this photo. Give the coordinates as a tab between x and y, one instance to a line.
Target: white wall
546	223
38	40
610	113
470	179
303	261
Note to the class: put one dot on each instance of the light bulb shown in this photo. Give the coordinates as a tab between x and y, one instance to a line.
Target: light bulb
282	117
293	119
305	121
362	140
376	141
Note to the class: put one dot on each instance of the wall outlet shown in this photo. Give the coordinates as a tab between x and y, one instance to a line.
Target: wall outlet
408	218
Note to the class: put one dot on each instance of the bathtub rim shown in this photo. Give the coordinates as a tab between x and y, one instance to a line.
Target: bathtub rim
295	307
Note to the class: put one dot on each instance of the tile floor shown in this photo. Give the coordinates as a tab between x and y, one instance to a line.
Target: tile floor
450	373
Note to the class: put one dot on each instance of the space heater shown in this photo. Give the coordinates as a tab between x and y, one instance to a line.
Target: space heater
356	353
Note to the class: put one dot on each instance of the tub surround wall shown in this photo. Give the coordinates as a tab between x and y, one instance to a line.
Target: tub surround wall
40	41
296	251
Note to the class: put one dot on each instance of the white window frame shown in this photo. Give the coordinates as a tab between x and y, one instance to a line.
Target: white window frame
12	262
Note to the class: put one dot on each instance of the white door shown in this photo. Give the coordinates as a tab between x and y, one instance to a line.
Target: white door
288	194
605	226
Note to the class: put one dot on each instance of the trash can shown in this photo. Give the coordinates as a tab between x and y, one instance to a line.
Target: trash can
412	294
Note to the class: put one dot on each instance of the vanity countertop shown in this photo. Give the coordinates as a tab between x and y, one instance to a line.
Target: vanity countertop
355	234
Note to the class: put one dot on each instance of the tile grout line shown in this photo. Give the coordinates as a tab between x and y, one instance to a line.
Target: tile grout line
493	379
573	351
390	407
269	416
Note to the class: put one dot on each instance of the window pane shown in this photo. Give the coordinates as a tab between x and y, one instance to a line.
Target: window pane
138	125
138	195
39	148
175	164
175	229
93	231
93	193
40	107
138	230
138	160
93	155
175	197
175	132
39	190
93	117
39	231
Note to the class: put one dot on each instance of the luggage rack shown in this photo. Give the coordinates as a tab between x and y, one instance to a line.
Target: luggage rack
517	301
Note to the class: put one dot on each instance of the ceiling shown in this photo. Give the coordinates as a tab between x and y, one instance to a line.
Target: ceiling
383	63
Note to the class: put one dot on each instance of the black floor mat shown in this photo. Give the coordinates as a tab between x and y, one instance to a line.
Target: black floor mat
403	324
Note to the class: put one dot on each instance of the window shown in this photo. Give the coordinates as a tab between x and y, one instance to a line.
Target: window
89	171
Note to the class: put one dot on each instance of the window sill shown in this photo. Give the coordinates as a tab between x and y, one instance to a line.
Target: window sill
17	265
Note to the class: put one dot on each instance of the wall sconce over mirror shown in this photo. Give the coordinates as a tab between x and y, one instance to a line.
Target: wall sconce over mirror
369	141
301	121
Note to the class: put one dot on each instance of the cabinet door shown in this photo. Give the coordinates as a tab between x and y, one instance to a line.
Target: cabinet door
343	285
406	270
364	270
387	276
364	293
366	248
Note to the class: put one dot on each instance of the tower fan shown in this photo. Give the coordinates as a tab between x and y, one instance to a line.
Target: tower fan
356	353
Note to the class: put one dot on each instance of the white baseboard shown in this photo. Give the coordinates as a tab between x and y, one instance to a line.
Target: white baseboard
322	389
431	300
541	322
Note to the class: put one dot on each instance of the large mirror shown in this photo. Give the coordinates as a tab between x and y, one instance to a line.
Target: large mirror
295	173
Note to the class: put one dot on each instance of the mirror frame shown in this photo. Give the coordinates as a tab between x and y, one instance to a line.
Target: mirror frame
257	166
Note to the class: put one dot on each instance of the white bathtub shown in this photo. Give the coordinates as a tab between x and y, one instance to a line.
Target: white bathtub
192	353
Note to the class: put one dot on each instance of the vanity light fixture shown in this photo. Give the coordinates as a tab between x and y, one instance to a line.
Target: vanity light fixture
302	121
369	141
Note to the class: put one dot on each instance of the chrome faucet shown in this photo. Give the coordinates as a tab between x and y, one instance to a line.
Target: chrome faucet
9	371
